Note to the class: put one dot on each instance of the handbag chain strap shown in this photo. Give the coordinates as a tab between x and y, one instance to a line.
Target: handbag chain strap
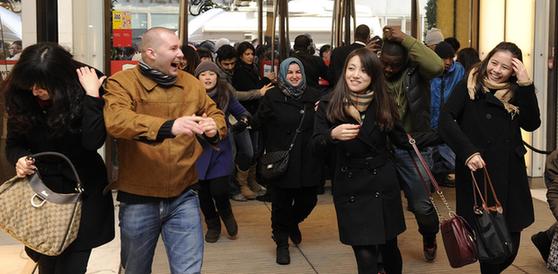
451	213
476	189
298	129
79	187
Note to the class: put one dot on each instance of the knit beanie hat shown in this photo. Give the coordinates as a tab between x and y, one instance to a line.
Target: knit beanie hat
205	66
444	50
433	37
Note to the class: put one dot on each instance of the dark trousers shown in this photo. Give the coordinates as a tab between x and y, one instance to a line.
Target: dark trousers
69	262
214	197
367	257
290	206
487	268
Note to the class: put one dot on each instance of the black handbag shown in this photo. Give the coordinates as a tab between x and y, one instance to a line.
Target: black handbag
494	243
274	164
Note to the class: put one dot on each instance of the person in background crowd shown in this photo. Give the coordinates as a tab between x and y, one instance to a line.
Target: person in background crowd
216	165
358	122
441	88
325	54
221	42
454	43
481	122
157	112
191	59
339	54
408	68
433	37
205	55
246	77
15	50
468	57
375	44
249	189
543	239
314	67
54	104
293	194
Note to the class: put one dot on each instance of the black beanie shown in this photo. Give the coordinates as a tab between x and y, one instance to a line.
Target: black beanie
444	50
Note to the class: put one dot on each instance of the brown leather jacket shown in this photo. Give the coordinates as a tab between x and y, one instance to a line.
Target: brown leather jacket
135	109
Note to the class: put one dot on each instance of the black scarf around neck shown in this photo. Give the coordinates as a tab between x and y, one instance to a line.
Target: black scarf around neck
156	75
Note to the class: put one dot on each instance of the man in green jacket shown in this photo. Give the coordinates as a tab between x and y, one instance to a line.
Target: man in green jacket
408	66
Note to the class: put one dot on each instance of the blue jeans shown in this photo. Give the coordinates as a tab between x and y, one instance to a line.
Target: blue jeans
415	190
244	149
177	219
443	158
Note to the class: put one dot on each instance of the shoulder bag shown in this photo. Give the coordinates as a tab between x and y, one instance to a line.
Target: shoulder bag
457	235
41	219
274	164
494	243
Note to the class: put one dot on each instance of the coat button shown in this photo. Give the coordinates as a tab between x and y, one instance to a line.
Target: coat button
344	169
377	195
374	171
488	116
352	199
349	175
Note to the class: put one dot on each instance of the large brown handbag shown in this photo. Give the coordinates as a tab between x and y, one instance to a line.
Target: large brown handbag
457	235
41	219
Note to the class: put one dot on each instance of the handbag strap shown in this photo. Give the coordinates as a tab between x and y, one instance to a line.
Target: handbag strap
79	187
298	129
432	180
487	182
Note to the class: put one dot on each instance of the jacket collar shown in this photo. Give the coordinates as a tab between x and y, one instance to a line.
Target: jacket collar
149	84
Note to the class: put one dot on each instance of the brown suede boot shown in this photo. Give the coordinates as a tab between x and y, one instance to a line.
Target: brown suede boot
242	179
213	230
253	183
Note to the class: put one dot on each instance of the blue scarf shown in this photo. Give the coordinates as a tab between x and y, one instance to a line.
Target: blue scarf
285	86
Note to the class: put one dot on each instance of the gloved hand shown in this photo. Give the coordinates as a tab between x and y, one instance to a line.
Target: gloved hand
241	125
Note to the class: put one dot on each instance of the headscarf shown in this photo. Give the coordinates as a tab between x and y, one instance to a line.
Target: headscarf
504	93
285	85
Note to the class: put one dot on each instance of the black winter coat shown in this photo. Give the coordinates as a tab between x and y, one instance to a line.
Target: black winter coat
278	118
97	215
366	191
245	79
483	125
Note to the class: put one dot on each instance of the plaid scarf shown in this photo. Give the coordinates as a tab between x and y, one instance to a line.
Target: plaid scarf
358	104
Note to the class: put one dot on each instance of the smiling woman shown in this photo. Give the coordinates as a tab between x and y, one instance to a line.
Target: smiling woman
481	122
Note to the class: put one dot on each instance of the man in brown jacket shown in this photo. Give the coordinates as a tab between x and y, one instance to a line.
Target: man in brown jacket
543	239
159	114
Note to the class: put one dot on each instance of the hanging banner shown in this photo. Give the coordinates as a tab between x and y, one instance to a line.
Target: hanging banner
121	29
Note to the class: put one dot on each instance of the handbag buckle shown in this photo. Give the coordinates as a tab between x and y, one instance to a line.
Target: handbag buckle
34	203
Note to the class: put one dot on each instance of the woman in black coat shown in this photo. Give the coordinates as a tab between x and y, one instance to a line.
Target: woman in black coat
481	122
294	193
54	104
357	123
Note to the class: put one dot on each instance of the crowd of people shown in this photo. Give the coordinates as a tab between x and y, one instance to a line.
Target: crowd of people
192	123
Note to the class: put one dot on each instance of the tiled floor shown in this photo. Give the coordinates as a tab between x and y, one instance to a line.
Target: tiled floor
320	252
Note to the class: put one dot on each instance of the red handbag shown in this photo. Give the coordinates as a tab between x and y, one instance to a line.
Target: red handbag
457	235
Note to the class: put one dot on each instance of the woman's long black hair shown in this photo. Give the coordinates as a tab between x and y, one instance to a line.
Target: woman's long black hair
51	67
386	112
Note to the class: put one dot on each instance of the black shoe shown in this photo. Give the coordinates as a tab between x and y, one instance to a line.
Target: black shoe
230	224
283	256
264	198
295	235
542	243
429	247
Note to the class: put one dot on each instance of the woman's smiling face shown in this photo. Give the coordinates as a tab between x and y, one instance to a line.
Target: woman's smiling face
500	68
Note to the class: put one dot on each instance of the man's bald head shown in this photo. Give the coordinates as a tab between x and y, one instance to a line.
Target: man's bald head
153	37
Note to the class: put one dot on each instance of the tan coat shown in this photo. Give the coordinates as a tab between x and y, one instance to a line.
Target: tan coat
135	109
